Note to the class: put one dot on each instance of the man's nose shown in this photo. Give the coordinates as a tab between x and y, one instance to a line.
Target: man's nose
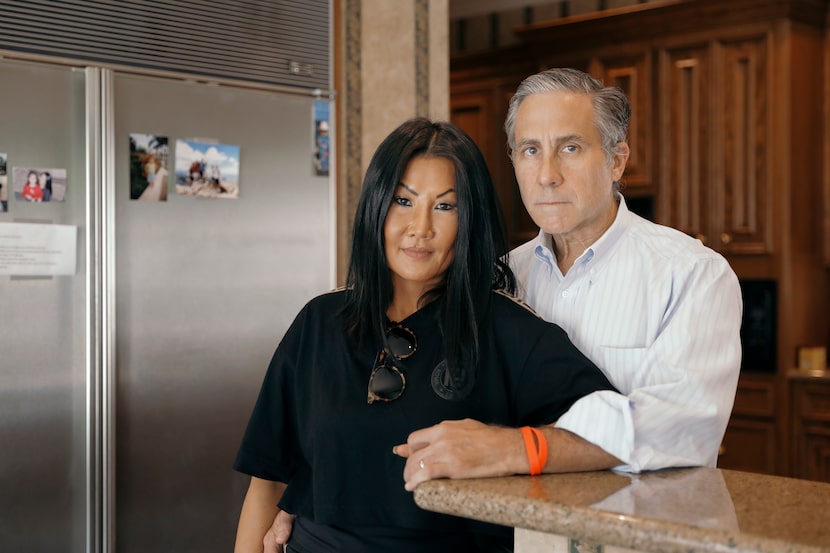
550	170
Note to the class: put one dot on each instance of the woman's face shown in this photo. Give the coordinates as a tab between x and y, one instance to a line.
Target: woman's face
32	178
41	178
422	224
151	167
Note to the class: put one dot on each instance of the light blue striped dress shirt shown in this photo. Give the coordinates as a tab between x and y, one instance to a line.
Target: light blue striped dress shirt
660	314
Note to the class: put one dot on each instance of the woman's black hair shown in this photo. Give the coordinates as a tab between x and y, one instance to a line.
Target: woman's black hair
48	184
479	264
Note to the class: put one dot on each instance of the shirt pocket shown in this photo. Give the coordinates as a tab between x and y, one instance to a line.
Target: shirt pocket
625	367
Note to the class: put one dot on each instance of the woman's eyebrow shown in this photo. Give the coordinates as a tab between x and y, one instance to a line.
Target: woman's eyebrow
412	191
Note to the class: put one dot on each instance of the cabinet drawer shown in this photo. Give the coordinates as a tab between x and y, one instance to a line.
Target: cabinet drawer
755	398
813	401
815	454
749	445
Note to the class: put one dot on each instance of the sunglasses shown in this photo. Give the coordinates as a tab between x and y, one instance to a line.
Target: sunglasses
387	382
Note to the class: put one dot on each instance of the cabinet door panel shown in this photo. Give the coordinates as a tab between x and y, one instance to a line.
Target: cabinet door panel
742	206
481	115
633	75
474	114
684	149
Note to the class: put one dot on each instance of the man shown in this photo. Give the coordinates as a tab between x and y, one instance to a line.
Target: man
656	310
659	312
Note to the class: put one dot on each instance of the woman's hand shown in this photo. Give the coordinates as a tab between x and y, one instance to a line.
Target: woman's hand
278	534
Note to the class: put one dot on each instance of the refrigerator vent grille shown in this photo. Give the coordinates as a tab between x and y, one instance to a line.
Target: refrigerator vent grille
256	41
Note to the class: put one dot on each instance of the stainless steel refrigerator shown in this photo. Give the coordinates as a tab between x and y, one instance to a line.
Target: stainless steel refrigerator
125	387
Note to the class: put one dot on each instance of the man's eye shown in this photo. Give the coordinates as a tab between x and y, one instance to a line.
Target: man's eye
571	149
531	150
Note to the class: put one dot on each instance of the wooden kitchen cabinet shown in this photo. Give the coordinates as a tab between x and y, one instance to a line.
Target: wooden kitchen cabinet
713	121
811	425
475	112
826	140
684	121
752	439
743	160
480	111
632	74
728	100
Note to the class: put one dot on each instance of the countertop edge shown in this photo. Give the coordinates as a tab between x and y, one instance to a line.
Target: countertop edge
460	498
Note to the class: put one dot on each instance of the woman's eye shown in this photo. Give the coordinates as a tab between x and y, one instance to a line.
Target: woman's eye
445	206
400	200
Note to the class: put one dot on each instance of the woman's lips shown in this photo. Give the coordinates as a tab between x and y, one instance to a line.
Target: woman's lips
418	253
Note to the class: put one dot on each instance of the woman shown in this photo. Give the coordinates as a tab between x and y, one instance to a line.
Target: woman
156	174
423	332
44	179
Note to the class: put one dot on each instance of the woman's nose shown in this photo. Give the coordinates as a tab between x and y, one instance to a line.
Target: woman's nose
421	223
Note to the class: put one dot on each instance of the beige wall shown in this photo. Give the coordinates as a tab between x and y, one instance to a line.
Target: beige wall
393	90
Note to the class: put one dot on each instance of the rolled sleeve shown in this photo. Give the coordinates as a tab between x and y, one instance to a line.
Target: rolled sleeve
605	419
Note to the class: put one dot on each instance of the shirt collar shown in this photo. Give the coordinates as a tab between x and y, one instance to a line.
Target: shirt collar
600	248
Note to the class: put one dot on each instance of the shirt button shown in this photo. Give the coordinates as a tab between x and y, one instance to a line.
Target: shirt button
566	294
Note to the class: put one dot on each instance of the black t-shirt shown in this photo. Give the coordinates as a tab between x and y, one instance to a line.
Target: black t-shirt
313	429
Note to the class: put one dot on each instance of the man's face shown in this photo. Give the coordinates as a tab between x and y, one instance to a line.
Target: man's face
565	179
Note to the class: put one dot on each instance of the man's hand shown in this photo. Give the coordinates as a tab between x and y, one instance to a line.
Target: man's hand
278	534
462	449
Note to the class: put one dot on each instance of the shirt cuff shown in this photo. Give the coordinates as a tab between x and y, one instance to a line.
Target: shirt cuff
605	419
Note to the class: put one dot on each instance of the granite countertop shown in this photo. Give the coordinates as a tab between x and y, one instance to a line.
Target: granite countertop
671	511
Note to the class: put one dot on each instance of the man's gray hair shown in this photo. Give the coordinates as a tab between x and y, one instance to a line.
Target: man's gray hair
611	106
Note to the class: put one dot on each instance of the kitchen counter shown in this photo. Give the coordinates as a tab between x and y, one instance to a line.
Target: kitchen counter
671	511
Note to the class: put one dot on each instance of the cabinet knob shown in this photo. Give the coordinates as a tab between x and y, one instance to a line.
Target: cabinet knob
725	238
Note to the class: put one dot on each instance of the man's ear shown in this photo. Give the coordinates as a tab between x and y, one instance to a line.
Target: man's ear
619	159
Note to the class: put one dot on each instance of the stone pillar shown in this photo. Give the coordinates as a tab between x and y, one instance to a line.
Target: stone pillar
391	63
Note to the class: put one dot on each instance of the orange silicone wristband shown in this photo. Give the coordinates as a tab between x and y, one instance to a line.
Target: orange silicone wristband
536	447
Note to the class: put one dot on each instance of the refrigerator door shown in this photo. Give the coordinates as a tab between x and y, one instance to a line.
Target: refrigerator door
47	488
202	290
206	287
